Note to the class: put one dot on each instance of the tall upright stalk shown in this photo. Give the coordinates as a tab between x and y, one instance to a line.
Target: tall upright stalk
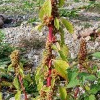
15	57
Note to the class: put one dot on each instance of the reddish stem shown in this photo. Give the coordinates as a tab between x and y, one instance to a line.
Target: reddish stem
50	37
49	78
22	86
50	33
76	92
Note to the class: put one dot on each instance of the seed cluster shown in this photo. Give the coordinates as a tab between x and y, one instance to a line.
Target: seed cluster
48	20
82	52
15	58
50	95
54	8
42	94
48	53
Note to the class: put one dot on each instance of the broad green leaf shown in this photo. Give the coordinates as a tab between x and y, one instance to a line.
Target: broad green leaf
16	83
72	76
87	87
39	78
46	89
18	95
56	23
95	68
62	36
94	89
61	67
28	78
98	74
68	25
61	3
58	46
63	57
46	9
54	47
63	93
73	83
21	72
40	84
5	83
2	71
65	49
86	98
96	54
90	77
39	27
92	97
10	68
53	82
64	52
85	76
0	96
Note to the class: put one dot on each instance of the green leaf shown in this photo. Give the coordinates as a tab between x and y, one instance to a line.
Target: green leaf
87	87
46	89
98	74
61	67
72	76
5	83
18	95
90	77
39	27
21	72
56	23
86	98
63	93
96	54
73	83
28	78
64	52
46	9
62	36
53	82
10	68
0	96
67	25
94	89
2	71
16	83
92	97
95	68
39	78
61	3
63	57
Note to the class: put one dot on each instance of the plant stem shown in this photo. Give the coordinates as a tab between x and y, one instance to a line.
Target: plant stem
76	92
22	86
50	37
50	33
